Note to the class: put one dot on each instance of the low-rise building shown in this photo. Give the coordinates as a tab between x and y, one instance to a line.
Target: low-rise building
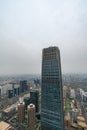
5	126
9	112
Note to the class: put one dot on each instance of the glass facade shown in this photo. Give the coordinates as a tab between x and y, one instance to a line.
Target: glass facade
51	91
34	98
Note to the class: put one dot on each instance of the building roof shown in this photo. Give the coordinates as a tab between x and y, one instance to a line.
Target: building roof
4	125
81	118
82	124
8	109
67	118
31	106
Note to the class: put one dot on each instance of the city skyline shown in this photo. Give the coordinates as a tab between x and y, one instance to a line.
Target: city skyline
26	27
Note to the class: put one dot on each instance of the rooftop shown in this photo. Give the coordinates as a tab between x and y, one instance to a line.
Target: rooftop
4	125
67	118
81	118
82	124
8	109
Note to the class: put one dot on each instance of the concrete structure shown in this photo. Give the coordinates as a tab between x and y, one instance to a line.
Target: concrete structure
5	126
82	126
4	88
75	113
81	123
67	122
21	112
31	116
9	112
64	91
72	93
80	118
51	92
83	95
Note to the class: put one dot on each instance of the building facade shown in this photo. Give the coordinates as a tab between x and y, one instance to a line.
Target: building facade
21	112
31	116
23	86
51	92
83	95
34	98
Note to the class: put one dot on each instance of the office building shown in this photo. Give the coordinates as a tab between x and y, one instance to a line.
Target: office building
10	93
64	91
83	95
51	92
31	116
34	98
21	112
72	93
27	101
23	86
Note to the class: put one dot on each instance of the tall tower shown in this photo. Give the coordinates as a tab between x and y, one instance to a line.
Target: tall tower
34	98
21	112
51	91
31	116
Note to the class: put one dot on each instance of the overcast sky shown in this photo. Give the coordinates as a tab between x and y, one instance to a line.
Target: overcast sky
28	26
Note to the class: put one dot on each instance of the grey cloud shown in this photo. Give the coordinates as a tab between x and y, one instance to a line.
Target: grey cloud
26	27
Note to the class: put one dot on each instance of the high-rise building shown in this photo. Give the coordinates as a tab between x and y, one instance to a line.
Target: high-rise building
51	92
21	112
31	116
34	98
23	86
27	101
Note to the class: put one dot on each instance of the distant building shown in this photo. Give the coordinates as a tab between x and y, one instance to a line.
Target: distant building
31	116
52	117
67	122
0	93
21	112
83	95
5	126
72	93
64	91
4	88
27	101
9	112
81	123
74	113
34	98
14	90
10	93
23	86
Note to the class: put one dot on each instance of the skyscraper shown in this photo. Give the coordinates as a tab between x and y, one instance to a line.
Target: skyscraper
21	112
31	116
51	91
34	98
23	86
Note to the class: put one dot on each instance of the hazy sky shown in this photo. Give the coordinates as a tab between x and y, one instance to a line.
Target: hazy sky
28	26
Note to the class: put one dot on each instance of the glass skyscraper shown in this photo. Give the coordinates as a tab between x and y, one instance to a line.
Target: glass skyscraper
51	91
